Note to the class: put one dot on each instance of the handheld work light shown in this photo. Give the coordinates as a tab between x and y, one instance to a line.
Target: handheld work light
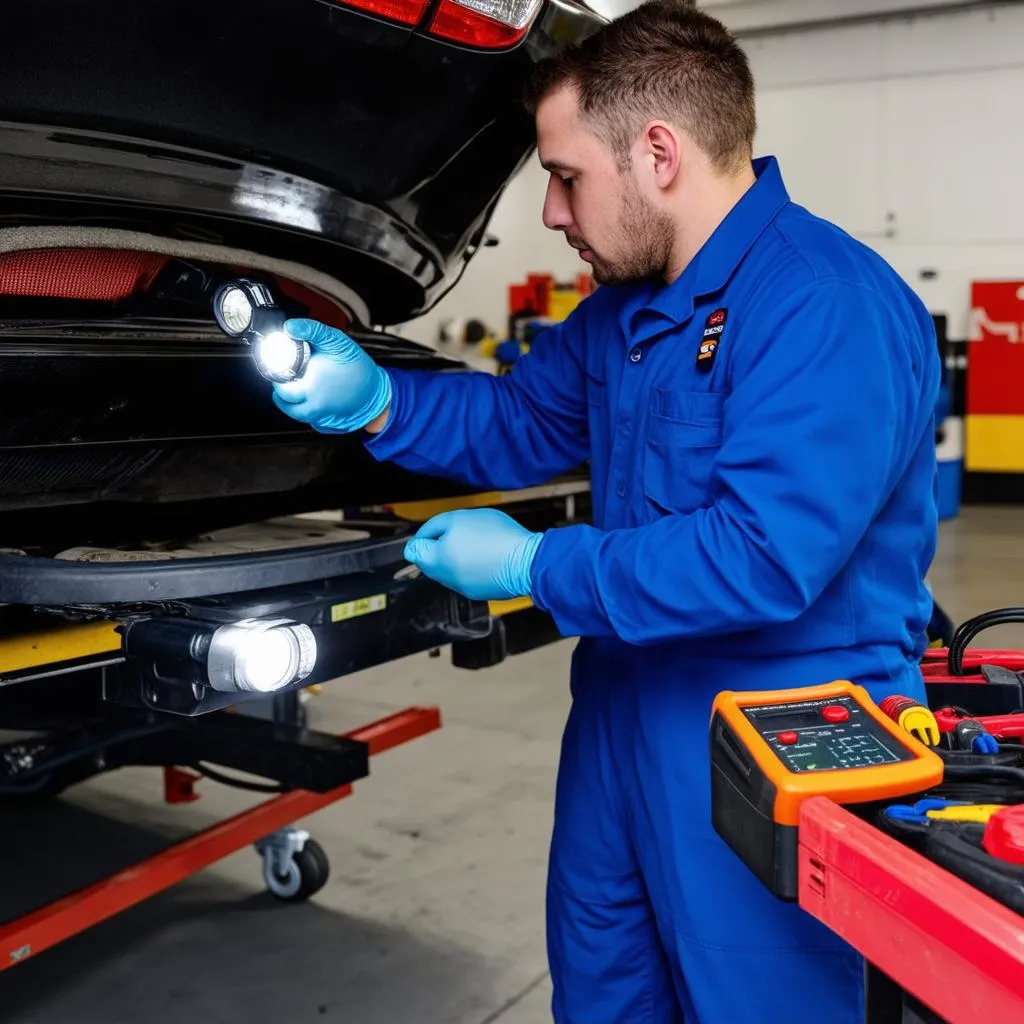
246	309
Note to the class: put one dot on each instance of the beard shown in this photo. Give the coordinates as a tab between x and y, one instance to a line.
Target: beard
644	238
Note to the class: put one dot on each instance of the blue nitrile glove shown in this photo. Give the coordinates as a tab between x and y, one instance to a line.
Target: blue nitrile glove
342	390
480	553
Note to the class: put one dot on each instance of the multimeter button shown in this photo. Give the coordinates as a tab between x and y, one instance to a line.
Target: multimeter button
835	713
787	737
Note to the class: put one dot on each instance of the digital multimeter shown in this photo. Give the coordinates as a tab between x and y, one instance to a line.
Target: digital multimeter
771	750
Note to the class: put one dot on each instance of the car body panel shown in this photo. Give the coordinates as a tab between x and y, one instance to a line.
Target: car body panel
353	161
301	127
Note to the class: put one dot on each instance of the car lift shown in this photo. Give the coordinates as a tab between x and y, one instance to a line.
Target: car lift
267	827
937	949
92	644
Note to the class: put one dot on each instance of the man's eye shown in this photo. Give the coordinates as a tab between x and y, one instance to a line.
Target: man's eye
568	182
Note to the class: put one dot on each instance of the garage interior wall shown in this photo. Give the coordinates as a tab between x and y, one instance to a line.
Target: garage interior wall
524	246
905	131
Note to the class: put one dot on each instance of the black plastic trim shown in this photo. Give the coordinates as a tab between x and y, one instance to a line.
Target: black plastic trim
52	583
107	168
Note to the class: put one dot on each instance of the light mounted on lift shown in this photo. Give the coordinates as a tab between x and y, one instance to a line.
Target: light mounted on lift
246	309
259	655
247	656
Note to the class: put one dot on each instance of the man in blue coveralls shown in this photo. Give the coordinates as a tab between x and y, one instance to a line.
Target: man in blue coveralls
755	391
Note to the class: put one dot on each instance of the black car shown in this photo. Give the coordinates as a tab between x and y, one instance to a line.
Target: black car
349	153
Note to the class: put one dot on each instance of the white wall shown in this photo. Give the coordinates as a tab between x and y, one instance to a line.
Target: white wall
905	132
756	15
908	134
525	246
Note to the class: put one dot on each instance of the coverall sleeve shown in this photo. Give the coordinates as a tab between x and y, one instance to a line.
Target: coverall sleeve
824	397
505	432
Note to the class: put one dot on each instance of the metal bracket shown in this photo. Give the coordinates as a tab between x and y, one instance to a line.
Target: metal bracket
179	786
279	848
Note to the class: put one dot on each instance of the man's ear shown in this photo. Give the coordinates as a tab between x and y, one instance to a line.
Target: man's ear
663	152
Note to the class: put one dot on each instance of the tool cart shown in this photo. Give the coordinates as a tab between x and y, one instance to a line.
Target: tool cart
899	826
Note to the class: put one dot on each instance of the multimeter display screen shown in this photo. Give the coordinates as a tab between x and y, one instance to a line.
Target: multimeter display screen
825	735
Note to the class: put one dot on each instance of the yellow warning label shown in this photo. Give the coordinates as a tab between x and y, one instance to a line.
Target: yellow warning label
363	606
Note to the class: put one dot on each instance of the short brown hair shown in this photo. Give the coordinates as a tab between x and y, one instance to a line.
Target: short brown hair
667	60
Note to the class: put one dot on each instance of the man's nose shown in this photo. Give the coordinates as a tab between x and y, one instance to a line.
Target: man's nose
557	215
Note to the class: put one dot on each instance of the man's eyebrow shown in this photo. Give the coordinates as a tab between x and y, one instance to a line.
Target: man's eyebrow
554	166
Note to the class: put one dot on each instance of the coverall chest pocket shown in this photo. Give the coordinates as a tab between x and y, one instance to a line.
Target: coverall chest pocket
684	434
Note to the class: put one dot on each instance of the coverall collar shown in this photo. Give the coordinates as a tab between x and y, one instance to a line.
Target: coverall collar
667	306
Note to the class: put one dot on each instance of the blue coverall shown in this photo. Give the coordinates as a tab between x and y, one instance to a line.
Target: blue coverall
763	517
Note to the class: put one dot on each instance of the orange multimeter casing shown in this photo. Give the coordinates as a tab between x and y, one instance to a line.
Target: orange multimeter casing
771	750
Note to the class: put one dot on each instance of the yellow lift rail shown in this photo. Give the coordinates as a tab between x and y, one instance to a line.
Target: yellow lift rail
421	511
53	645
29	649
515	604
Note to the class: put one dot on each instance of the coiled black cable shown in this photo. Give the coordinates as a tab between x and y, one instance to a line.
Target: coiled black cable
235	782
983	773
968	630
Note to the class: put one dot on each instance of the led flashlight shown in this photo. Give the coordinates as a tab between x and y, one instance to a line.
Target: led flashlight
246	309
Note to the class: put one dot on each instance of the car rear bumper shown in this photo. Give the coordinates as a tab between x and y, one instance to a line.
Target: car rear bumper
340	141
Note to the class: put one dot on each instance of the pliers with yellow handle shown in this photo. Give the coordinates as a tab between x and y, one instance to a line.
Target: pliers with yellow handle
937	809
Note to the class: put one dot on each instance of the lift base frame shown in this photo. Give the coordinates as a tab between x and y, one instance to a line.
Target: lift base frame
41	929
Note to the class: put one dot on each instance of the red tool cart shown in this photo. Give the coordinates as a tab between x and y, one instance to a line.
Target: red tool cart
941	926
936	948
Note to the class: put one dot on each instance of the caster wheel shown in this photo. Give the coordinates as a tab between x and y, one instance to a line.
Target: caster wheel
300	875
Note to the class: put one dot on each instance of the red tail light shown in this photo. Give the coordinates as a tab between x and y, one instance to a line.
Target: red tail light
492	24
408	12
487	24
96	275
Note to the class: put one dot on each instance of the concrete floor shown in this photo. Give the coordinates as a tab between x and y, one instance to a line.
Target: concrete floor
434	910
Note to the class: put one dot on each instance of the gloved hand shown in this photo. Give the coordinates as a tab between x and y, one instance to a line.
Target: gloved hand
342	390
481	553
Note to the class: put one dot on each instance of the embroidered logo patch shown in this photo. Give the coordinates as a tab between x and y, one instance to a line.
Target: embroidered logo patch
711	339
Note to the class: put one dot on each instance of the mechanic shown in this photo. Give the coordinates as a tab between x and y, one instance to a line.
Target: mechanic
755	392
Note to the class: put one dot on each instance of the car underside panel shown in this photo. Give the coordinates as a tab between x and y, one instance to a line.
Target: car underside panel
129	417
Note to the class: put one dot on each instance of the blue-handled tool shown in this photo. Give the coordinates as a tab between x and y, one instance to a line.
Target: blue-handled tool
936	809
970	734
919	811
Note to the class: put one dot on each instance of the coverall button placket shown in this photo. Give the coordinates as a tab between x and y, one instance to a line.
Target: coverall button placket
625	456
